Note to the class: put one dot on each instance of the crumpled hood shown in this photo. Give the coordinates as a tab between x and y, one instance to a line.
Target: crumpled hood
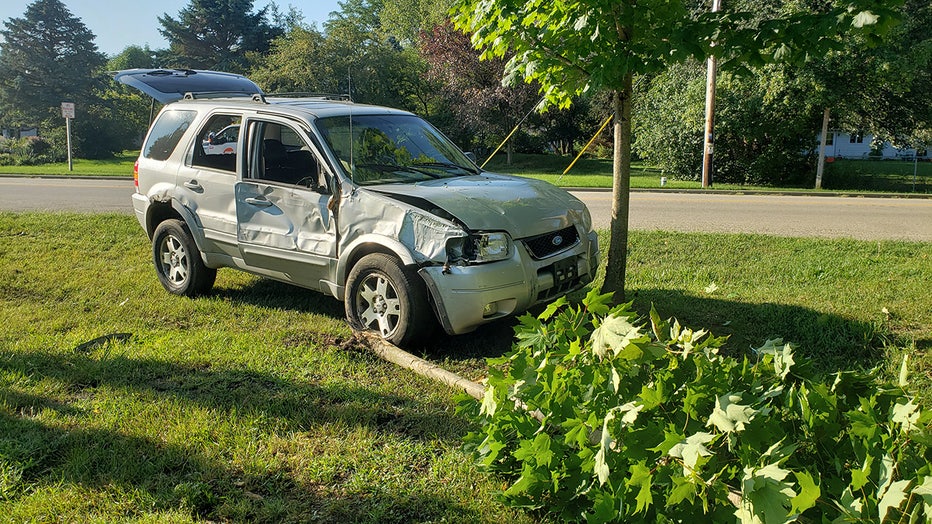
523	207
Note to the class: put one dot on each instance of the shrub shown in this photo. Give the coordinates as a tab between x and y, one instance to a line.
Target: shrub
26	151
594	417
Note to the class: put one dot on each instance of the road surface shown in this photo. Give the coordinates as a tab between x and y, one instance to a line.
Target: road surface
865	218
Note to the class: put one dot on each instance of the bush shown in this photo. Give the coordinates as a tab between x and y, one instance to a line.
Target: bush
593	417
26	151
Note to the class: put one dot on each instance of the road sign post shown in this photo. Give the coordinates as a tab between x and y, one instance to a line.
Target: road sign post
67	111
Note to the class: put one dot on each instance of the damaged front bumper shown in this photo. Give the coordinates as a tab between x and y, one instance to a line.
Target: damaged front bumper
465	297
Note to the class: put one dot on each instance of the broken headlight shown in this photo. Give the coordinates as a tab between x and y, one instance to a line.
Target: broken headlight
478	248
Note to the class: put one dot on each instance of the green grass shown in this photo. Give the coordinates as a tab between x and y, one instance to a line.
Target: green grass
842	175
879	175
119	165
255	403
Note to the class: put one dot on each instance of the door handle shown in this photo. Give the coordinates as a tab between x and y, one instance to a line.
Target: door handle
193	185
260	202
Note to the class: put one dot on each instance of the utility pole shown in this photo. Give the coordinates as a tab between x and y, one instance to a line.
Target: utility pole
824	139
709	142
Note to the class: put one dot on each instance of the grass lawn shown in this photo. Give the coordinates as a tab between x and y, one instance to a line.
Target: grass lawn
841	175
119	165
255	403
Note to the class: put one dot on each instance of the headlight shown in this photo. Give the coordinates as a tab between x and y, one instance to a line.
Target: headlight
479	248
487	247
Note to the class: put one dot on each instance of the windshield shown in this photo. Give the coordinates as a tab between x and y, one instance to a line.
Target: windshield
388	149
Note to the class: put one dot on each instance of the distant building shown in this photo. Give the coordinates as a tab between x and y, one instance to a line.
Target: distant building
858	145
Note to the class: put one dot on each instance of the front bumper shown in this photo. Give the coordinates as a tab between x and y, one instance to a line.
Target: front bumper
465	297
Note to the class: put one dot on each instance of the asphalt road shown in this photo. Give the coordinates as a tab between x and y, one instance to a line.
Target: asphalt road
865	218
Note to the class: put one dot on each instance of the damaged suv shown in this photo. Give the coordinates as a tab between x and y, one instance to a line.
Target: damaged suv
371	205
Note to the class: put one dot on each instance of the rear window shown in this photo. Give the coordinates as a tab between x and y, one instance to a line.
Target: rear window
166	132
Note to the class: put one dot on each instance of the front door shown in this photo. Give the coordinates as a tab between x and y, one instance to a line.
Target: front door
284	227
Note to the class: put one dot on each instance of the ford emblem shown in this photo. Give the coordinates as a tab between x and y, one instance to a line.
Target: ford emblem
557	240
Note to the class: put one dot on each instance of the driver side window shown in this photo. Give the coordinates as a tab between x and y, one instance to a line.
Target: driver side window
279	154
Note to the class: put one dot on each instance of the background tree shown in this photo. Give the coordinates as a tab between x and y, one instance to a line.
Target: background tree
218	34
574	46
352	56
482	110
47	57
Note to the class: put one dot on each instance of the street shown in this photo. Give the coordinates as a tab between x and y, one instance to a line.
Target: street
864	218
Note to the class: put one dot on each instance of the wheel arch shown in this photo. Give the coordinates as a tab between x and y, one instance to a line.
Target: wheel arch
159	212
367	245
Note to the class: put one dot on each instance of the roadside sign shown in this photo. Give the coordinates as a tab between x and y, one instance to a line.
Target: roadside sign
67	112
67	109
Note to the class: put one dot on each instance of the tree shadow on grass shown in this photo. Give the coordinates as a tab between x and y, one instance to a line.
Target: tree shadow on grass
44	441
831	341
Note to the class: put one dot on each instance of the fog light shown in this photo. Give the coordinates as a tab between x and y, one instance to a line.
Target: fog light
490	309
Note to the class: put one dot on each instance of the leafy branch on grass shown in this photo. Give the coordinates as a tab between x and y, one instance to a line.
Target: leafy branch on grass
651	423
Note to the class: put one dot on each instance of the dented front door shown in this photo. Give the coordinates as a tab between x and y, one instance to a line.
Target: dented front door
286	229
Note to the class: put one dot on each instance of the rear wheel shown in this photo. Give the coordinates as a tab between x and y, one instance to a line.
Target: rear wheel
385	297
178	261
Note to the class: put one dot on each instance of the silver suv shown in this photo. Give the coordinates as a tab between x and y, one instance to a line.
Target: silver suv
369	204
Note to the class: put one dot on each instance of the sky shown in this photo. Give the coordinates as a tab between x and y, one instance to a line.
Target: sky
118	24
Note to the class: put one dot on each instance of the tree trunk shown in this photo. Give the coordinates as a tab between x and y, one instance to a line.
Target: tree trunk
621	191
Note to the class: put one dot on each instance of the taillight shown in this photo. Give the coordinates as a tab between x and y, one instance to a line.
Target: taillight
136	174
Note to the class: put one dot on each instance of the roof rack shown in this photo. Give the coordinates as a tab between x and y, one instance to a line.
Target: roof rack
256	97
317	96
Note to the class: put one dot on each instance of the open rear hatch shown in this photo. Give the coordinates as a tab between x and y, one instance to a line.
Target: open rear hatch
169	85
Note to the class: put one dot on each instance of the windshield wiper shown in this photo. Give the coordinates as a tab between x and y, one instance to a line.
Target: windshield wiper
397	168
449	165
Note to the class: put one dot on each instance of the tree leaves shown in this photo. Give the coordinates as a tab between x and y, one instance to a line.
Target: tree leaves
625	433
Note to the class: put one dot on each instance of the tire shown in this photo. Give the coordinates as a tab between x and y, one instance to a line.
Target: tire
385	297
178	261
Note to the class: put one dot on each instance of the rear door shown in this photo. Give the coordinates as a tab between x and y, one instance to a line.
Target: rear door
206	182
283	223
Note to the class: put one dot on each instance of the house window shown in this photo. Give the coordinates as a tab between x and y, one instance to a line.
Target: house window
857	138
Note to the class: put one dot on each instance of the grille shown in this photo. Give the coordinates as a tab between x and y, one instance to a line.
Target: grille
548	244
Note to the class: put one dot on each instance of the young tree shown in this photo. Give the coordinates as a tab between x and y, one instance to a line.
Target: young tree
573	46
218	34
47	57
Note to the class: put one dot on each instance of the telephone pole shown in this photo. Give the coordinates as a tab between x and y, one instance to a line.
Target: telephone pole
709	142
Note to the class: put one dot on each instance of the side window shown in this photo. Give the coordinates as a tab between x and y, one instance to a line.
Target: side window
217	142
280	154
165	134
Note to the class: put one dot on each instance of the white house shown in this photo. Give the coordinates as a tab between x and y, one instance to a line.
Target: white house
858	145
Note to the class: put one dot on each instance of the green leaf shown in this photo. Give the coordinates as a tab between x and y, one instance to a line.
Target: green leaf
489	404
860	477
691	449
893	498
615	333
683	489
864	18
765	496
904	372
924	490
729	416
641	478
809	492
552	308
906	414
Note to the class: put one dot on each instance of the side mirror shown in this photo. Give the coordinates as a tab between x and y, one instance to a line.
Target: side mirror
471	156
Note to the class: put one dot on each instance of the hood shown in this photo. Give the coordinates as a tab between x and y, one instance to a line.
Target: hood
169	85
491	202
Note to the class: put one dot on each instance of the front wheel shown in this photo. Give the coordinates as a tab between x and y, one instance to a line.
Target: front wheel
385	297
178	261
